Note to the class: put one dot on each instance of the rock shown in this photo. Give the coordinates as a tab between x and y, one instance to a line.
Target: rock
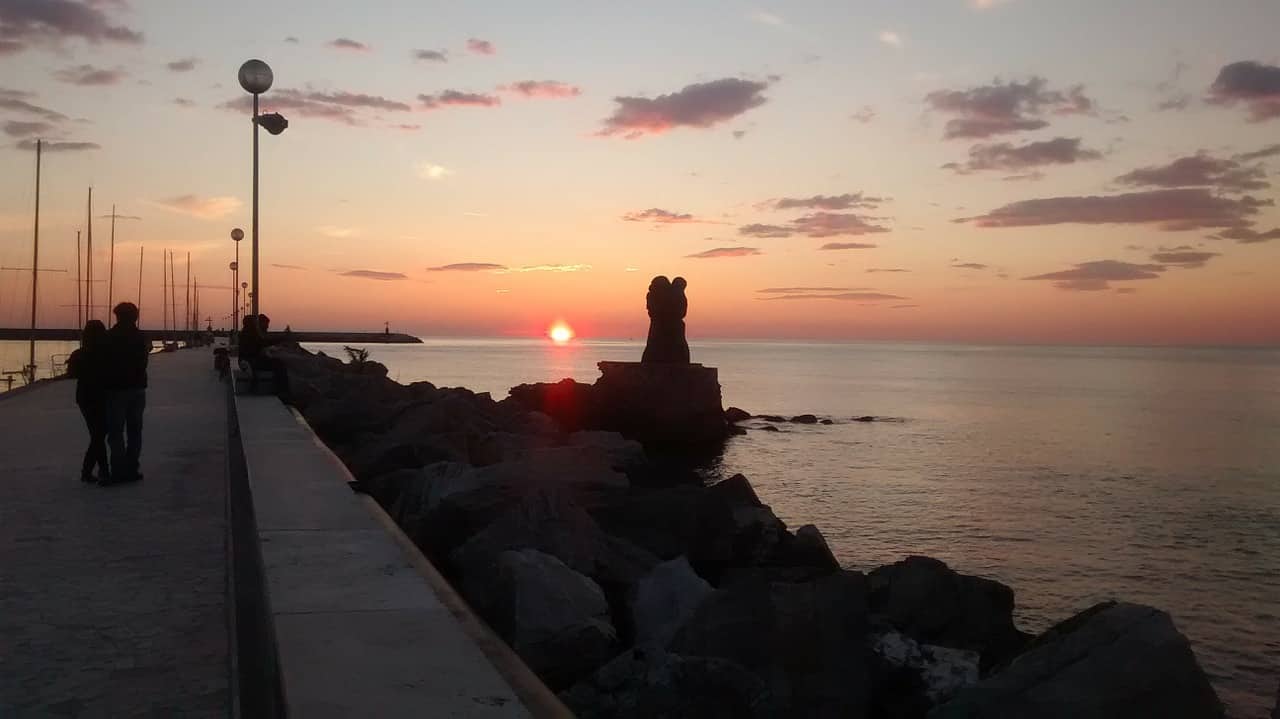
556	619
770	428
1275	713
623	454
736	490
942	671
771	417
805	419
661	403
551	522
864	418
806	641
664	599
809	549
1108	662
571	404
826	421
924	599
645	683
733	415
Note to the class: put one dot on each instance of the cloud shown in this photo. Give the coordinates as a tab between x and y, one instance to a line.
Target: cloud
206	208
1098	274
374	275
431	55
542	88
547	268
1006	157
1260	154
1253	84
766	231
88	75
1001	108
183	65
873	270
804	290
467	267
456	97
288	267
1200	170
847	246
346	43
26	22
56	146
891	38
986	4
969	265
1169	210
20	128
659	216
1184	259
17	101
292	40
864	114
847	201
481	47
337	233
725	252
847	296
430	171
701	105
183	102
338	106
1248	236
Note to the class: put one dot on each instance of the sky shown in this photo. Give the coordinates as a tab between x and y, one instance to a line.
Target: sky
1029	171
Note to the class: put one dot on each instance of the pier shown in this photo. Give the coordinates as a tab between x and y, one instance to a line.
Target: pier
241	577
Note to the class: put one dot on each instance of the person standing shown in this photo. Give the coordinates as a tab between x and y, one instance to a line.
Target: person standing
126	393
88	366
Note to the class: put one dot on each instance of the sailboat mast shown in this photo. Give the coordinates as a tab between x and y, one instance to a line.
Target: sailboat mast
88	263
186	307
111	266
140	249
79	287
35	269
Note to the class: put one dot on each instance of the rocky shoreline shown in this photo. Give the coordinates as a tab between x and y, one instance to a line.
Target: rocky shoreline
635	590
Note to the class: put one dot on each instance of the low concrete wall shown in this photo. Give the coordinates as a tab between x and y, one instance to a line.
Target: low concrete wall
365	626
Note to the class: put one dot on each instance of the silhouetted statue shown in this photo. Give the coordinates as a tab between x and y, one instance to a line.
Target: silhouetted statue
667	306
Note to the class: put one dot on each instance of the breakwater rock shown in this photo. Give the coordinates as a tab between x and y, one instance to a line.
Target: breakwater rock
635	590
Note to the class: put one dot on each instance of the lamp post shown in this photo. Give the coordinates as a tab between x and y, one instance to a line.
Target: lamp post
256	78
237	234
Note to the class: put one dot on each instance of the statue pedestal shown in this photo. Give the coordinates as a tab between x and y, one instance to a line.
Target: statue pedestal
667	403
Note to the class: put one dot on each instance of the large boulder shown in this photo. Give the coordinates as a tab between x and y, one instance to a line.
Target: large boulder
648	683
556	619
551	522
805	640
571	404
623	454
1112	661
940	672
661	403
664	599
924	599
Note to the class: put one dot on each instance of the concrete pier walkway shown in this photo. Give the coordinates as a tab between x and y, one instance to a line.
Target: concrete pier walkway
113	601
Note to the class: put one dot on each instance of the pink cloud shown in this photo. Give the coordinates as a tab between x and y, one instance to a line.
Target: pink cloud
701	105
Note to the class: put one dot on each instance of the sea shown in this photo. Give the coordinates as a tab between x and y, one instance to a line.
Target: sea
1073	474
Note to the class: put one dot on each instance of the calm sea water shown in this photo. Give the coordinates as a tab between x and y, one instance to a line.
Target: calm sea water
1074	475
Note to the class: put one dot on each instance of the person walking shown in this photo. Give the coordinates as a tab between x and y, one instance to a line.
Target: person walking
126	393
88	366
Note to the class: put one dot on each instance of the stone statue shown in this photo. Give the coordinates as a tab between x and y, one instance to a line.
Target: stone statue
667	306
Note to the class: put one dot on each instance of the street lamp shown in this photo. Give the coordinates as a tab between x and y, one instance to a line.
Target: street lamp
256	78
237	234
244	287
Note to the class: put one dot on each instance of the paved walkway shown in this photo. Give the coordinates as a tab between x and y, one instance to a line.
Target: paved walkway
113	600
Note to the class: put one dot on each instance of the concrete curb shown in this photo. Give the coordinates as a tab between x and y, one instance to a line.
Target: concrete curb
537	698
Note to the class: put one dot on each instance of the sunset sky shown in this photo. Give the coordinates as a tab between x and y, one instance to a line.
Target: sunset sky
968	170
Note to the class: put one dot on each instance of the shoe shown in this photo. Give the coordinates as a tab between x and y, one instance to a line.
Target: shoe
87	477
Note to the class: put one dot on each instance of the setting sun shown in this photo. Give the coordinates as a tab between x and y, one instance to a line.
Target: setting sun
560	333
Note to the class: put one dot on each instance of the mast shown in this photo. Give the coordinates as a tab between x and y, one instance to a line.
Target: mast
35	270
88	263
140	249
173	295
79	287
164	292
111	271
186	307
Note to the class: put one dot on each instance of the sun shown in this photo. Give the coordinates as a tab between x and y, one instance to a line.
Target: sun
560	333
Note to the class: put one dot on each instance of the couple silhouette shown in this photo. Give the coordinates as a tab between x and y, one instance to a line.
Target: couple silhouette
667	307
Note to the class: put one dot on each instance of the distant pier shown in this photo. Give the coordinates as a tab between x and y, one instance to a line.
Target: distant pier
72	335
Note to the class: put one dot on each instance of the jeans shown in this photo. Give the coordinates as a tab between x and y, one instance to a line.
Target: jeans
124	419
95	419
